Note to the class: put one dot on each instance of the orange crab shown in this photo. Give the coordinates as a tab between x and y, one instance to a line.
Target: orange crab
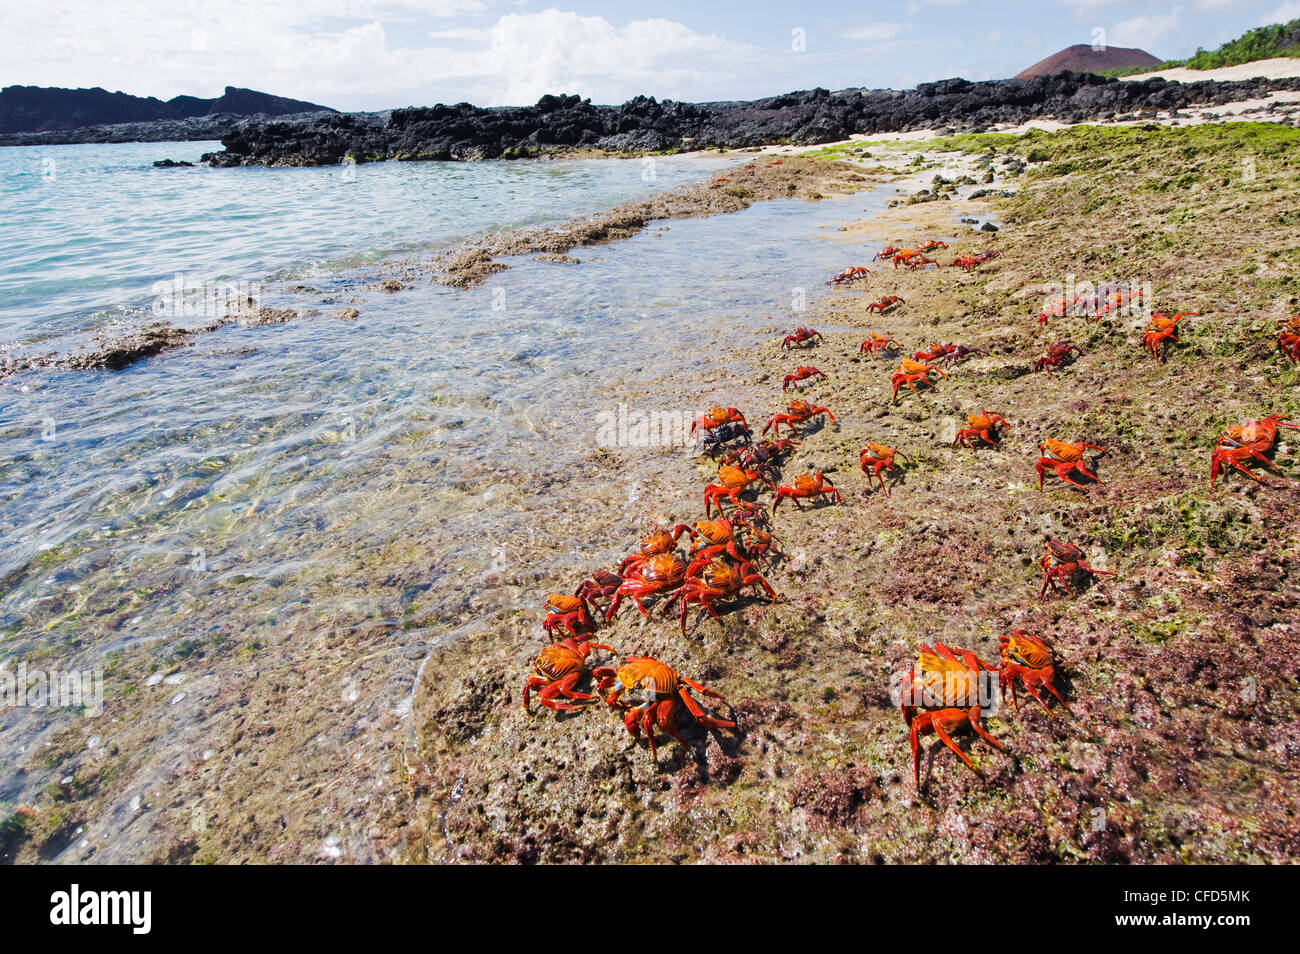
880	307
657	541
877	342
732	482
851	274
800	335
1061	563
1026	657
932	245
557	670
712	580
806	486
797	412
713	538
1161	329
648	691
913	373
941	697
1065	459
1288	338
1247	441
1059	354
655	576
571	612
801	373
716	417
876	458
982	425
913	259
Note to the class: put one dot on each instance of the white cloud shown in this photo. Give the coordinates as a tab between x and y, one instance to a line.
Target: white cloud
1146	30
1283	14
367	53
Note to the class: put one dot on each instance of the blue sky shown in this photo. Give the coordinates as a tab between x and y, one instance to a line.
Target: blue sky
371	54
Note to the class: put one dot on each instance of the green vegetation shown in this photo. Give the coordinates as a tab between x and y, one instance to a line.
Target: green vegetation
1262	43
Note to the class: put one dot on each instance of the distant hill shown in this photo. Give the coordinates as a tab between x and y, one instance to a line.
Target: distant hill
47	109
1082	58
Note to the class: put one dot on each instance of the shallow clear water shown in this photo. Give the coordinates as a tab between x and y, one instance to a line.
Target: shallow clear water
420	469
87	231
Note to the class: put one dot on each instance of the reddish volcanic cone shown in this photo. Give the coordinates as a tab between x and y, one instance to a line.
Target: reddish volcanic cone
1082	58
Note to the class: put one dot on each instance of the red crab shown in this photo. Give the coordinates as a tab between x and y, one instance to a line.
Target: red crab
1247	441
657	541
732	482
913	259
713	538
1058	355
880	307
801	373
557	670
649	691
655	576
763	456
714	580
601	585
878	343
716	417
947	353
571	612
1288	338
1161	329
1055	308
797	412
877	458
851	274
889	251
913	373
982	425
1026	657
801	335
1061	563
941	697
932	245
806	486
1065	459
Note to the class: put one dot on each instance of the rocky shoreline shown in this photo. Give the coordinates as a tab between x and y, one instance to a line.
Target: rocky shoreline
565	125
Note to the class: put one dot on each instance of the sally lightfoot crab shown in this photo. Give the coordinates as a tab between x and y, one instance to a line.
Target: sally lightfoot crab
732	482
913	373
801	373
1248	441
656	576
648	692
884	304
983	426
875	458
557	670
1026	658
940	697
1161	330
1065	459
800	336
1062	563
797	412
710	581
570	612
806	486
875	342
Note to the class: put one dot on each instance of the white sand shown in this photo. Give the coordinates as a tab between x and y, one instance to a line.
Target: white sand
1279	68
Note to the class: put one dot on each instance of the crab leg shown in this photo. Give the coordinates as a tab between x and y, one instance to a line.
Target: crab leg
700	715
